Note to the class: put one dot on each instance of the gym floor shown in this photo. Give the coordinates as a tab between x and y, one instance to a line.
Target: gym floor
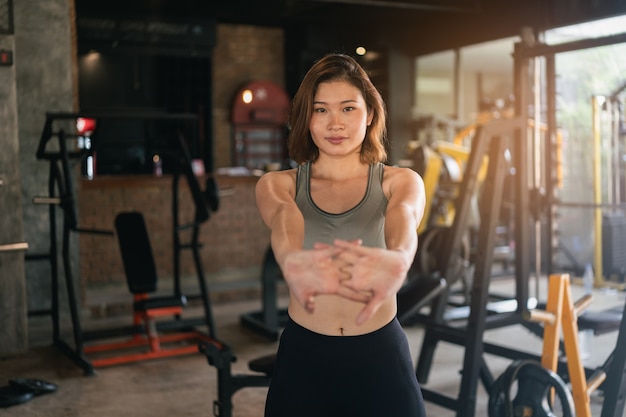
186	385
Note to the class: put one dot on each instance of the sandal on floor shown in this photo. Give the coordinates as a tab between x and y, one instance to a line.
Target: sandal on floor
10	395
36	386
21	390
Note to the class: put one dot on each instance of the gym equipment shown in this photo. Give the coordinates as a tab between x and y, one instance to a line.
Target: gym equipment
562	313
221	357
491	140
60	180
482	316
416	293
536	387
615	384
469	334
427	259
609	226
141	277
59	126
59	129
270	319
442	164
615	366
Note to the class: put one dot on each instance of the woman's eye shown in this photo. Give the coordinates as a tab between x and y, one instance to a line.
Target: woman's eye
348	109
319	110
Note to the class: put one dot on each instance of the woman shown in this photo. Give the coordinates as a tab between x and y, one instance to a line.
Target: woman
343	230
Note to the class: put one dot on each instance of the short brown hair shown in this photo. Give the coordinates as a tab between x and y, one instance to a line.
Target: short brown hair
336	67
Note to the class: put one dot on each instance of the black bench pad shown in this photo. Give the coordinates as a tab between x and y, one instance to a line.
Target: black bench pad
264	364
601	322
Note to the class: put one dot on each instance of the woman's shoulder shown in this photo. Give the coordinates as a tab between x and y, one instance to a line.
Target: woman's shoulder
403	180
401	173
278	178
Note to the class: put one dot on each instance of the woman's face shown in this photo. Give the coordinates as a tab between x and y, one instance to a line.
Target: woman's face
340	118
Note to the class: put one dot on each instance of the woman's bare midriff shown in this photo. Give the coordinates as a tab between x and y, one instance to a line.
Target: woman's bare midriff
336	316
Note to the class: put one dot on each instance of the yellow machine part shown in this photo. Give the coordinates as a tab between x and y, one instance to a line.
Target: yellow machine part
432	171
461	154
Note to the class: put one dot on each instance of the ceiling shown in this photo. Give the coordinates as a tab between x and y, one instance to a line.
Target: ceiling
414	26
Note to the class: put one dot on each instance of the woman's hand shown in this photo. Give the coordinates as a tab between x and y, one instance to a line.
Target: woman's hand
319	271
375	271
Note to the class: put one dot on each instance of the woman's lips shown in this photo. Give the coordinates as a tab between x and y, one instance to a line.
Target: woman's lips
336	139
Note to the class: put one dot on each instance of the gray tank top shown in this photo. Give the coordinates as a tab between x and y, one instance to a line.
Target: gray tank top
365	221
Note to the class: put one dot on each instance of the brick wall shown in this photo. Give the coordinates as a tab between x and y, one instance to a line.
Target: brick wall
243	54
234	239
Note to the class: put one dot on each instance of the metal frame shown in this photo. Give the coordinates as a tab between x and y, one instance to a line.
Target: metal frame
490	140
60	179
221	357
615	384
615	366
268	321
522	55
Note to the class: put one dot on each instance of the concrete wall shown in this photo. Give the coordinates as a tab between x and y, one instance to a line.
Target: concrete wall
13	326
40	80
44	76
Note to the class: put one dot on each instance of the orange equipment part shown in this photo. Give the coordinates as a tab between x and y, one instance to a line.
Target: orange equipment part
158	345
561	314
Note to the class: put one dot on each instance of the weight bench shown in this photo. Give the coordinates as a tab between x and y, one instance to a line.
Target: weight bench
221	357
141	279
601	322
416	293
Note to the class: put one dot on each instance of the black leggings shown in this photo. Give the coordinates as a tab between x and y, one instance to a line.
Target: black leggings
344	376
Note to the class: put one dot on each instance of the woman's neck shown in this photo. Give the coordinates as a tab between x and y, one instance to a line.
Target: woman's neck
338	168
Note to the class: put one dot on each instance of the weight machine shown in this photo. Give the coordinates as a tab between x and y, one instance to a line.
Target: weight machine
525	53
492	139
268	321
55	147
538	381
